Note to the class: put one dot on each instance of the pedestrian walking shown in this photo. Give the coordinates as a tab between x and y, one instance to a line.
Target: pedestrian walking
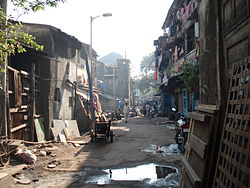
147	109
126	112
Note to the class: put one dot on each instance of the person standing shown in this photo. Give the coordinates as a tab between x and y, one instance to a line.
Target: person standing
147	109
126	112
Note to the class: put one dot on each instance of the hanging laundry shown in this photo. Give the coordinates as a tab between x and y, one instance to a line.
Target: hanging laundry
178	14
182	11
156	74
182	51
176	53
197	52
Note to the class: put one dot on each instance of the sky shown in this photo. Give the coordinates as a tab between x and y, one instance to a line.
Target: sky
131	30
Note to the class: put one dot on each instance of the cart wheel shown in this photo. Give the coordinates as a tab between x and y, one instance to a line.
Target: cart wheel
111	135
4	153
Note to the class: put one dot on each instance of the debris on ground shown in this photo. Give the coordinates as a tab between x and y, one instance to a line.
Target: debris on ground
21	179
26	156
53	164
42	153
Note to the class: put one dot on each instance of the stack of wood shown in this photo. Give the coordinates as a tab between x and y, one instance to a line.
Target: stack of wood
200	147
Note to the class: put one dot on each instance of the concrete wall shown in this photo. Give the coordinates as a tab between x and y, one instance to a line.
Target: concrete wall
123	78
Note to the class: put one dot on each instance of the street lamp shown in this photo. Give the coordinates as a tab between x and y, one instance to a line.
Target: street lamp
91	77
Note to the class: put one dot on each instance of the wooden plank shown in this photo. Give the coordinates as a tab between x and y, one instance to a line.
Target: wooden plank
12	69
194	179
58	126
23	108
39	126
212	109
14	110
18	127
34	123
197	116
187	147
24	73
38	116
26	88
72	127
198	145
187	181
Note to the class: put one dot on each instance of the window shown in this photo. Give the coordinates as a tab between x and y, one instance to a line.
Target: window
57	95
70	101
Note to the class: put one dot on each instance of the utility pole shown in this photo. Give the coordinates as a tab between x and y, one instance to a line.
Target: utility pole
91	67
114	86
129	92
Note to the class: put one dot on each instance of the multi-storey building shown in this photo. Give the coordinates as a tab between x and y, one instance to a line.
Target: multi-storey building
115	82
178	46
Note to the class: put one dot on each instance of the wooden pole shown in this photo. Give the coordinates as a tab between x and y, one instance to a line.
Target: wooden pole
4	125
32	103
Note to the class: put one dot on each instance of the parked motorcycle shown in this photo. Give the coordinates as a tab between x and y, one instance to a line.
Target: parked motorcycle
152	112
182	130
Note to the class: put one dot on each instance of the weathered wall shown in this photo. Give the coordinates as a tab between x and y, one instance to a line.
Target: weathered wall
117	78
123	78
208	53
68	64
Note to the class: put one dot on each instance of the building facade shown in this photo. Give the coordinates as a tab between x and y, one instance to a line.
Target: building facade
176	49
115	79
48	85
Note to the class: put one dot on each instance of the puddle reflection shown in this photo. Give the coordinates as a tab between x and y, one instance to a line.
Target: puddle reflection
152	174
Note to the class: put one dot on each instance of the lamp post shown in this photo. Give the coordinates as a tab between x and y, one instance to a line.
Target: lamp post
91	77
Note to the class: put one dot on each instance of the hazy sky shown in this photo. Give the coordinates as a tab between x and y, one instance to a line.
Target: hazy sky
134	26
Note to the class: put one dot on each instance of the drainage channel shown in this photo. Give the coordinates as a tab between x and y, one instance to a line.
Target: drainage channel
148	175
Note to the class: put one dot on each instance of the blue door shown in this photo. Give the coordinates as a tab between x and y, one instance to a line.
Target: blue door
185	102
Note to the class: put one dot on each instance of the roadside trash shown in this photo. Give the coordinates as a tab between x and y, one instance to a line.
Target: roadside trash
42	153
77	142
158	149
26	156
53	164
51	148
21	179
62	137
48	152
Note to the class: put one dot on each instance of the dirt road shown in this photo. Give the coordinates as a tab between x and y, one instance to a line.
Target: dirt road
135	149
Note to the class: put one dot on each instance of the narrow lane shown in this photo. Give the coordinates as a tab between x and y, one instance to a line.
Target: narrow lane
127	149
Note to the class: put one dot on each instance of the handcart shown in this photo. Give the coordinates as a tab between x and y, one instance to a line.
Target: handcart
101	129
4	151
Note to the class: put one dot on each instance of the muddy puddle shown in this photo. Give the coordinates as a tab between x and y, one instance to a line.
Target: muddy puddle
164	150
147	174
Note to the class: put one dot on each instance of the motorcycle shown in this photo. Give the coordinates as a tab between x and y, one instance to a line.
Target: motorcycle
182	130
